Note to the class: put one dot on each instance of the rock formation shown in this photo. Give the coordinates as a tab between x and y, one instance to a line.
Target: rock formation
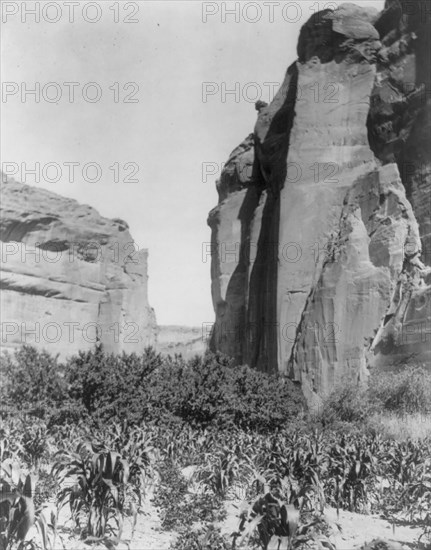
323	210
70	278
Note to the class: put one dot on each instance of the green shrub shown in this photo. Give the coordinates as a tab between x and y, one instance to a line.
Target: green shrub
32	382
405	392
170	494
203	391
347	403
201	539
213	391
111	386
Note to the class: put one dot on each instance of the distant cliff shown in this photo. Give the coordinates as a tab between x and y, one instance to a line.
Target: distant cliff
177	339
321	237
69	277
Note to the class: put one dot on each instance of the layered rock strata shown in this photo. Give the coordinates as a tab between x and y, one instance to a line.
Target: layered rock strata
69	277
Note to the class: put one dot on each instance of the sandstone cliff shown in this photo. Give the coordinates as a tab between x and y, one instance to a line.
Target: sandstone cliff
323	214
70	278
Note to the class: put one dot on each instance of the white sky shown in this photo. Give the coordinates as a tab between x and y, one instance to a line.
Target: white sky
169	53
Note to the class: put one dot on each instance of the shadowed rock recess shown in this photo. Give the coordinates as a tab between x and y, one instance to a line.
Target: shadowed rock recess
321	239
70	278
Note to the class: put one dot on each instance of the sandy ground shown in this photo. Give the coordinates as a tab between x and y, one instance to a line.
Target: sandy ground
356	530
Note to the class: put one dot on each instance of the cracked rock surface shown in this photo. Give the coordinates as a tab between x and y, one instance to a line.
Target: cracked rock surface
321	236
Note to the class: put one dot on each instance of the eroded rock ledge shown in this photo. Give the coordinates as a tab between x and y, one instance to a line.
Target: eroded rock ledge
70	278
322	232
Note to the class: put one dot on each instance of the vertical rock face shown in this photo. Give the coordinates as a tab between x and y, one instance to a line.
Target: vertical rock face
70	278
399	120
317	235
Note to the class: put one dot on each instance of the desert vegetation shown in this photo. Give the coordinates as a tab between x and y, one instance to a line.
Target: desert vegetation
94	438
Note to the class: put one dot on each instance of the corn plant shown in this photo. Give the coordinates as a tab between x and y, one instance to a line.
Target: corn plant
26	440
11	439
184	446
224	469
269	516
18	514
95	484
64	437
405	481
137	446
350	465
300	462
417	494
401	460
35	443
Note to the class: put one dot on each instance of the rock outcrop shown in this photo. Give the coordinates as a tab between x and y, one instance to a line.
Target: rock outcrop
317	240
70	278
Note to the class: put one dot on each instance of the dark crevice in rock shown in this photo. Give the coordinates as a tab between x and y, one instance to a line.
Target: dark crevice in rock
271	153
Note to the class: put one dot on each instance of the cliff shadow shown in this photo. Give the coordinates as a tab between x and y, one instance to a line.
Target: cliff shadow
262	330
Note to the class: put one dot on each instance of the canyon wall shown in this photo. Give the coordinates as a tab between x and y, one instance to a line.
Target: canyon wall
321	237
69	277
